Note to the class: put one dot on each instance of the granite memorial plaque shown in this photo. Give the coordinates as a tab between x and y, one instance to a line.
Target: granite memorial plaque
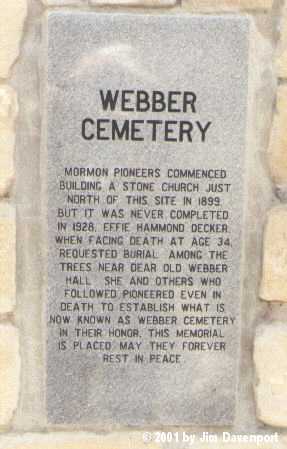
145	136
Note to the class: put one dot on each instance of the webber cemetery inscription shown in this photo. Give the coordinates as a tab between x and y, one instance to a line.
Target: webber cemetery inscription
145	121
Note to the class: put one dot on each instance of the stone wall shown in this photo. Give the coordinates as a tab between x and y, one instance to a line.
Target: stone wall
263	406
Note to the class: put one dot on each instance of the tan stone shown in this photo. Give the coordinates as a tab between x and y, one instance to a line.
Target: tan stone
155	3
9	372
274	270
8	114
8	105
7	258
228	5
277	154
123	440
151	3
64	2
12	17
79	440
270	357
281	56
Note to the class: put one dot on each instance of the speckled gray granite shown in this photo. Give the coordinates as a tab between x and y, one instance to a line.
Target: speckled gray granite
197	67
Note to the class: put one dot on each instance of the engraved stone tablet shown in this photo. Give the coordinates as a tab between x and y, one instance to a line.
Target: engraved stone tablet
144	125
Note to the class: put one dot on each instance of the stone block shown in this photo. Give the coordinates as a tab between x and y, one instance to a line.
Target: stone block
88	63
281	56
7	258
9	372
64	2
8	114
270	357
228	5
79	440
12	17
147	3
274	270
129	440
277	154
